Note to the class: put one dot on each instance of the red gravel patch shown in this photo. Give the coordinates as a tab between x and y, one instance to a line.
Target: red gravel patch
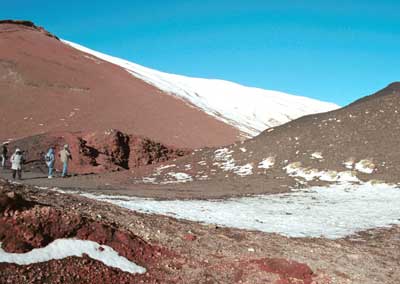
27	225
289	271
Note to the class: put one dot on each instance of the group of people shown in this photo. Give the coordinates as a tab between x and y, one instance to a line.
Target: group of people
17	160
50	158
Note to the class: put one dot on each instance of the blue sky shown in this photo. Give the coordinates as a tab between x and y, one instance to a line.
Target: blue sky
330	50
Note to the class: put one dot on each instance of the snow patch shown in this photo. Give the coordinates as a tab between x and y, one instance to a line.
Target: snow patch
63	248
244	170
365	166
349	164
332	212
225	161
161	168
178	178
267	163
295	170
149	180
317	156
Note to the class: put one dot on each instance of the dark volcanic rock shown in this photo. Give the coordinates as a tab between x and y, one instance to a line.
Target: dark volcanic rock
30	25
11	201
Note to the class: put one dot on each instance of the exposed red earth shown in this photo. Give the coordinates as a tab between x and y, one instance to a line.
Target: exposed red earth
46	85
96	152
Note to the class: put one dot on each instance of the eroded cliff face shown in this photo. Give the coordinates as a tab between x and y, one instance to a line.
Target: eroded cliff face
97	152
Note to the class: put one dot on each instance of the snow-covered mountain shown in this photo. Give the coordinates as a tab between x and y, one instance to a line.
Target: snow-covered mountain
251	110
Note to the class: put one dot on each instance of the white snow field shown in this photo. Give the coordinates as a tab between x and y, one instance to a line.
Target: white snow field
62	248
331	212
251	110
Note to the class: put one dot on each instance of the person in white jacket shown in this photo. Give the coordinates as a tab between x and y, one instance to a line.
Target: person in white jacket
16	163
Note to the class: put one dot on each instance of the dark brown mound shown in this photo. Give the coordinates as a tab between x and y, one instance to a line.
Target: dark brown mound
368	129
46	85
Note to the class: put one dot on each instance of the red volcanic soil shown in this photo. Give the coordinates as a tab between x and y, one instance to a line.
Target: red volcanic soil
28	225
25	225
96	152
46	86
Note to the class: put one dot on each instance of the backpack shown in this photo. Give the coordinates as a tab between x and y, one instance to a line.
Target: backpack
47	158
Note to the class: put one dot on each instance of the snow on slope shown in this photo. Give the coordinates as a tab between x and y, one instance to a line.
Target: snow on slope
251	110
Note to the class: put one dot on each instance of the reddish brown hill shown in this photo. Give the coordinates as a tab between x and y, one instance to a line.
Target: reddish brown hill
46	85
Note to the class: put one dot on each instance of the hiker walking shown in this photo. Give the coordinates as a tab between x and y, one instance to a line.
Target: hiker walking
16	164
4	152
50	159
65	156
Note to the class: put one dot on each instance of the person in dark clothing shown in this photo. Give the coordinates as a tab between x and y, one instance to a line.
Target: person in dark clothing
4	155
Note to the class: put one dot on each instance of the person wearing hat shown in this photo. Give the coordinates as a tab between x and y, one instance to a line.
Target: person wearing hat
4	152
65	156
16	163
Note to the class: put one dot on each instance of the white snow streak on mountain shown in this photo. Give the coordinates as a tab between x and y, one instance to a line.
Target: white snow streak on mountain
251	110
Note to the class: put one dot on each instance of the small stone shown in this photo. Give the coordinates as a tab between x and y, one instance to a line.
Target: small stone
189	237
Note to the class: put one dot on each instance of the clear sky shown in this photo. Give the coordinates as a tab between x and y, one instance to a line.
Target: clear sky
330	50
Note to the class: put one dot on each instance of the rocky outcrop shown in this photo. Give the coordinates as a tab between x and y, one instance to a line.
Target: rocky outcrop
97	152
147	152
30	25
